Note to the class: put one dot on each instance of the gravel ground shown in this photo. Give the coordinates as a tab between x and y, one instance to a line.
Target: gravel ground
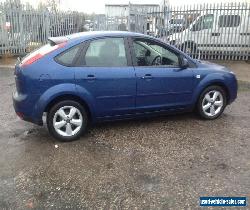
160	163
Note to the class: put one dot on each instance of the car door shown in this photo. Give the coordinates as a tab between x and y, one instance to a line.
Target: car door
107	76
161	83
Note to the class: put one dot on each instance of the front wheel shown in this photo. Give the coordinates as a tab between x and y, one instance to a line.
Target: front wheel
212	102
67	120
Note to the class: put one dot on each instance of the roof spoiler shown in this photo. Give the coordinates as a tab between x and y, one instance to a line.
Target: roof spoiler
57	40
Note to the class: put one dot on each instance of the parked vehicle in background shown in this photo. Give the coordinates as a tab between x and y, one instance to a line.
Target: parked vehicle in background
97	76
175	26
217	30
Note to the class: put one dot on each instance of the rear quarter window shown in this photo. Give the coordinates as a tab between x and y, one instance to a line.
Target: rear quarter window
69	56
229	21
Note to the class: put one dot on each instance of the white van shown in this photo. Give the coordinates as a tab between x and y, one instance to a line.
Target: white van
216	30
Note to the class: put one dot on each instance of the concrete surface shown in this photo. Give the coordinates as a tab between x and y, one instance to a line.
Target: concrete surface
161	163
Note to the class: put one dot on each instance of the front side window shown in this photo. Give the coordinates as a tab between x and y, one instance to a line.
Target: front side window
108	52
229	21
205	22
150	53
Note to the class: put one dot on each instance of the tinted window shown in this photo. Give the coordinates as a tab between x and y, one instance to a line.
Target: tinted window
229	20
205	22
150	53
67	58
106	52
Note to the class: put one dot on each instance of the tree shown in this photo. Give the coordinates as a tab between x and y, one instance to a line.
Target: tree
53	5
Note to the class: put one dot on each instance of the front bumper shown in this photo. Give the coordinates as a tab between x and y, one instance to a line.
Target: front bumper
233	89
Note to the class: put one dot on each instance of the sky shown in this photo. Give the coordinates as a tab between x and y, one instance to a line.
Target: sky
98	6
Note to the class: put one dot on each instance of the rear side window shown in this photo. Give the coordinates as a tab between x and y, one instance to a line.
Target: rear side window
106	52
229	21
68	57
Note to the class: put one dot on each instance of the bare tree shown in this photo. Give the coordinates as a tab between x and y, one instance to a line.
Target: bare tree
53	5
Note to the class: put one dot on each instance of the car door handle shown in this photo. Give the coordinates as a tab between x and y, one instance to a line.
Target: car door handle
215	34
147	76
91	77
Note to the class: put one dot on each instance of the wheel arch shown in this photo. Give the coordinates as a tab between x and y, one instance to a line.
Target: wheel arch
72	97
215	83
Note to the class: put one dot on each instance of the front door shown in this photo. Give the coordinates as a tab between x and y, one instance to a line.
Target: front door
161	83
106	76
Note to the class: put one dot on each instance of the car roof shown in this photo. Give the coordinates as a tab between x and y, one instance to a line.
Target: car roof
98	34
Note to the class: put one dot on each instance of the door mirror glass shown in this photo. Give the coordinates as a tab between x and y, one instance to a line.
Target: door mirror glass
196	27
148	53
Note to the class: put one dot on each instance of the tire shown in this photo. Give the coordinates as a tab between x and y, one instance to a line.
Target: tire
209	105
71	119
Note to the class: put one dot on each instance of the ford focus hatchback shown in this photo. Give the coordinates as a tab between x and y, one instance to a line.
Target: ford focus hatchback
97	76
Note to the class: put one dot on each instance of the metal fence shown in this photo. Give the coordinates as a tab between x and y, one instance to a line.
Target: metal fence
208	31
24	28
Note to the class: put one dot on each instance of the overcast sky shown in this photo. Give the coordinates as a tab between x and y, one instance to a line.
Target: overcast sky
98	6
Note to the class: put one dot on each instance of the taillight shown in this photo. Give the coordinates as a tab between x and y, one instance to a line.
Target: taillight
33	57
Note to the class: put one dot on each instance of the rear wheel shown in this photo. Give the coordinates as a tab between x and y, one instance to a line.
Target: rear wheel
67	120
212	102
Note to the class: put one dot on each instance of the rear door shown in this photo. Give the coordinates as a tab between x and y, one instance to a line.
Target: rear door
107	75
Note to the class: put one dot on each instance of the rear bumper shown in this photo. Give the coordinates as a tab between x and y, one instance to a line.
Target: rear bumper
24	107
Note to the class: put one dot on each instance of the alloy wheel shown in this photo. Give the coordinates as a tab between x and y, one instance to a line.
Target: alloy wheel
212	103
67	121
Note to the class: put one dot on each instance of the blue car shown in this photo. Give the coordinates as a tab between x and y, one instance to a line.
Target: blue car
98	76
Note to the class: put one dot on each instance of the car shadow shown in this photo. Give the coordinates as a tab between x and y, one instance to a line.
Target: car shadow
146	120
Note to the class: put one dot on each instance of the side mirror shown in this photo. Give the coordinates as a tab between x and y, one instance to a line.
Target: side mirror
184	63
148	53
196	27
